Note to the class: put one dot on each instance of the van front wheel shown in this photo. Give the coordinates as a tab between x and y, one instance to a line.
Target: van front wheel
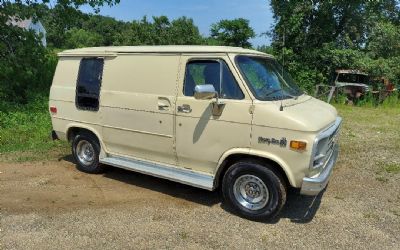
255	191
86	150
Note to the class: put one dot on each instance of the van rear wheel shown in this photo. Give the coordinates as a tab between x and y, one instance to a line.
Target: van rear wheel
86	150
254	190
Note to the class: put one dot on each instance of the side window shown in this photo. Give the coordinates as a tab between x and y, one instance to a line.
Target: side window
213	72
88	84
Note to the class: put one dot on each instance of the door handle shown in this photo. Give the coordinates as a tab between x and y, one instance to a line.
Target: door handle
185	108
163	103
162	106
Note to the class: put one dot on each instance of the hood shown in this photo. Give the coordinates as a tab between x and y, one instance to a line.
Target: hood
304	114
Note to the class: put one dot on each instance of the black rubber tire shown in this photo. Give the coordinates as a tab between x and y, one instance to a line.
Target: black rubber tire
95	167
273	181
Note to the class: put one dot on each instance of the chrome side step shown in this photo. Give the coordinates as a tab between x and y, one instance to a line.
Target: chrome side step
180	175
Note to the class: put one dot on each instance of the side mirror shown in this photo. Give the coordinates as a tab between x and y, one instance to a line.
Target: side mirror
206	91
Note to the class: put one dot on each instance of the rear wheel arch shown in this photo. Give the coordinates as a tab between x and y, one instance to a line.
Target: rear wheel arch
75	130
233	158
86	150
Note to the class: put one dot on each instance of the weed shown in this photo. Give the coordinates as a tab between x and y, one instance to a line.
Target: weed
395	212
183	235
351	134
339	197
370	216
382	179
392	168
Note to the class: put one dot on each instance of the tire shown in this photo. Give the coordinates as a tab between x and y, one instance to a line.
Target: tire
86	151
254	190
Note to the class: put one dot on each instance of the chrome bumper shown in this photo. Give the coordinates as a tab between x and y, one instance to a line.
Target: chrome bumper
313	186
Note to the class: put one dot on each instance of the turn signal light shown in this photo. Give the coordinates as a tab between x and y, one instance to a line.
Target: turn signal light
53	110
298	145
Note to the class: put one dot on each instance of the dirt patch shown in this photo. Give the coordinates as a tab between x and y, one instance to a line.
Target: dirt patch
58	186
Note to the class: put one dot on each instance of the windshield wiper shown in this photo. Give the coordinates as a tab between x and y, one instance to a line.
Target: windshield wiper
282	95
292	96
273	92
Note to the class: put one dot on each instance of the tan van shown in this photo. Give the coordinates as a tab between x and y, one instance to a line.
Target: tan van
204	116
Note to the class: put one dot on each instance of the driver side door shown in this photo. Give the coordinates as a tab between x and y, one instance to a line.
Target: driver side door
203	135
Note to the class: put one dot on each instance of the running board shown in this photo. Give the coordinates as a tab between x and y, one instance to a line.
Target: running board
180	175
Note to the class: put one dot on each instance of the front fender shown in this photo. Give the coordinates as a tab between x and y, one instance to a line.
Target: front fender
258	153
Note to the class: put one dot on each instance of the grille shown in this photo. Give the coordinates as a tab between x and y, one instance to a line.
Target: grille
325	145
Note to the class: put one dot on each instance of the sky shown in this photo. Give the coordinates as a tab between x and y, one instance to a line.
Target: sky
203	12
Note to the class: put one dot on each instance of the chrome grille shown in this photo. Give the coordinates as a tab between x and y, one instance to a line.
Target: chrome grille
324	145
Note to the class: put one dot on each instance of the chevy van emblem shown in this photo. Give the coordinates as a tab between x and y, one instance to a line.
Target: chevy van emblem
282	142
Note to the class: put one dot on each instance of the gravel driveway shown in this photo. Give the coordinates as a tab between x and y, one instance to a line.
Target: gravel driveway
50	204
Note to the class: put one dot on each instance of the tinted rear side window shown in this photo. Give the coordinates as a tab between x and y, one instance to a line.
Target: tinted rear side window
88	84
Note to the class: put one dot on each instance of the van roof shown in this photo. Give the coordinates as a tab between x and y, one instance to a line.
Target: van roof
158	49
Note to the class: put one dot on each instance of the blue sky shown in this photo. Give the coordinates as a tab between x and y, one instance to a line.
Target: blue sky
203	12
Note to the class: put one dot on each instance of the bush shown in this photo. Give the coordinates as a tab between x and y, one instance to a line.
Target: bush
26	68
25	127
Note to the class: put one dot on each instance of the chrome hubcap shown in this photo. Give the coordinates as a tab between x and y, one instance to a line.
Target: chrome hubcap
85	152
251	192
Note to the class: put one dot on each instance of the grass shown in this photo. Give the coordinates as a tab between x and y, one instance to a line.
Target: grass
25	133
370	142
372	101
392	168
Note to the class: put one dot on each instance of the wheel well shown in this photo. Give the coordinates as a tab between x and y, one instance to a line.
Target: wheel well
72	132
237	157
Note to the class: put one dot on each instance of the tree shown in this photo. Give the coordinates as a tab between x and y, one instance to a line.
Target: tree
25	66
105	27
184	32
160	31
79	38
235	32
384	40
58	20
309	24
325	35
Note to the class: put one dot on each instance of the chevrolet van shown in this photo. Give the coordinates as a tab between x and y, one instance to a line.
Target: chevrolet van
207	116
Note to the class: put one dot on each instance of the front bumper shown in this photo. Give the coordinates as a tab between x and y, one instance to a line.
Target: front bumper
313	186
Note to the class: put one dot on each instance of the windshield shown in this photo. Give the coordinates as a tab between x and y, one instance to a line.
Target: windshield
267	79
353	78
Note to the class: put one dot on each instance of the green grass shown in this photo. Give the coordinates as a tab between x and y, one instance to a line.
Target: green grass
25	132
392	168
372	101
370	141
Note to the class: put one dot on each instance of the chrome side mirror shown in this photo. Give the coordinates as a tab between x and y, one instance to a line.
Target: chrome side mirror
206	91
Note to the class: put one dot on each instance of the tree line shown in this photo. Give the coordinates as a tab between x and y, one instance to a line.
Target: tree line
68	27
311	39
26	67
